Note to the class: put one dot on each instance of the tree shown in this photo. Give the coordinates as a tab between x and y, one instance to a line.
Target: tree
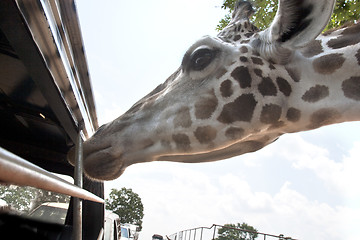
18	198
345	11
127	205
233	232
25	199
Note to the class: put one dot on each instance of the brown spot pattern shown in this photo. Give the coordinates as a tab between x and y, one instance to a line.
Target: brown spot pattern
312	49
243	59
249	34
258	72
329	63
344	41
205	134
316	93
267	87
257	61
284	86
270	113
354	29
351	88
350	36
323	117
357	55
234	133
293	115
237	37
244	49
183	118
241	109
242	75
226	88
293	73
206	105
182	142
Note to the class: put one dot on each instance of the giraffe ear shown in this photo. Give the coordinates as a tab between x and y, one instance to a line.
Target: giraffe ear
296	23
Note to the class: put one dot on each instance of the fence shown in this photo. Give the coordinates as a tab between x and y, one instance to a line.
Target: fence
211	233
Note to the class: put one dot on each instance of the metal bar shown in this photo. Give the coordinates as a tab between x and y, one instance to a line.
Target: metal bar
238	229
101	234
78	173
16	170
214	232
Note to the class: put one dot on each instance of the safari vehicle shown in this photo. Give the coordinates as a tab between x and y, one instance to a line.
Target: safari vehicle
129	231
46	107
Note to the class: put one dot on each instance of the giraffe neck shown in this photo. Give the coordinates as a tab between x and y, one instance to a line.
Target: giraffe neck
326	86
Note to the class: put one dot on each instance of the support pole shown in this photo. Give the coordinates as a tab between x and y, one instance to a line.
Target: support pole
78	175
214	233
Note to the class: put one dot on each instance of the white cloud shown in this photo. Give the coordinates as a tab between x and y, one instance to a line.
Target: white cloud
177	197
340	176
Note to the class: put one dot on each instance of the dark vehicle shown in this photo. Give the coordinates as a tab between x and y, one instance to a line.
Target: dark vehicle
157	237
46	107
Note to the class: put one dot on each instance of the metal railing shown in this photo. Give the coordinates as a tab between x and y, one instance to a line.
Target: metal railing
211	233
15	170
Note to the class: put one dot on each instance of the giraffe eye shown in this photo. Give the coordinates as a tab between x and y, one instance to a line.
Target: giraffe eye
201	58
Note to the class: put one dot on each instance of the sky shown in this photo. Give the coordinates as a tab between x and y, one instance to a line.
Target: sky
305	185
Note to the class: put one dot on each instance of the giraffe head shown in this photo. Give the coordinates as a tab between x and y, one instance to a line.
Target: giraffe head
233	94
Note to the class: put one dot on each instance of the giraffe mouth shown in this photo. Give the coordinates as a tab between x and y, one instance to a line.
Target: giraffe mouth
100	161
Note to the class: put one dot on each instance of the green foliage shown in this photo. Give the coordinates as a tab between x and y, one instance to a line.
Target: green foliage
17	197
229	233
127	205
25	199
345	11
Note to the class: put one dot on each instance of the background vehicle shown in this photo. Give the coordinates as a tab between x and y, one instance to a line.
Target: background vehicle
129	231
112	228
51	212
157	237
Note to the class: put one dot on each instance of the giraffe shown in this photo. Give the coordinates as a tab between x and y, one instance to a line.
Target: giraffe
238	92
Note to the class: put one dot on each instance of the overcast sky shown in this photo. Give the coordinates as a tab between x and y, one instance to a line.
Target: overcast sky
305	185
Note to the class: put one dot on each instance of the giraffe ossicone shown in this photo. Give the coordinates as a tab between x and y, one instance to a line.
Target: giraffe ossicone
238	92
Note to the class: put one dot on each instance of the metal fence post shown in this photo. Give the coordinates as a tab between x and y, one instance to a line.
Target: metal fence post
77	220
214	232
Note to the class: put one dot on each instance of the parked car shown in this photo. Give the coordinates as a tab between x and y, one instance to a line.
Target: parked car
53	212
